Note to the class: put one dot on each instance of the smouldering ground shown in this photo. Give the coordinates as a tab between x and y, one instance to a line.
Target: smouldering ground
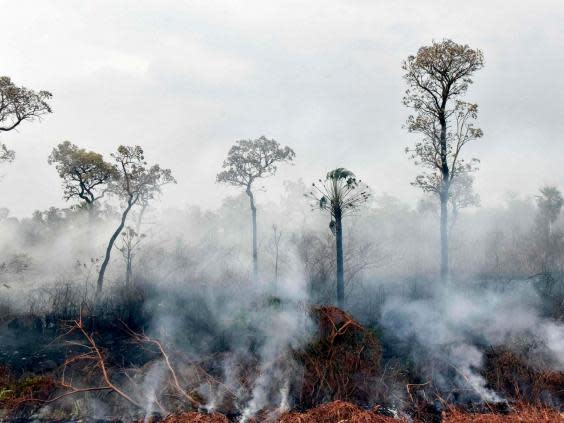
524	414
344	412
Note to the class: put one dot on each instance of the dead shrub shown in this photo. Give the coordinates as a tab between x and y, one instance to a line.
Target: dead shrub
194	417
522	413
17	393
336	412
342	363
509	373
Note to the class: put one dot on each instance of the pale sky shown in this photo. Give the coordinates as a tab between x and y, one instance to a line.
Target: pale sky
185	79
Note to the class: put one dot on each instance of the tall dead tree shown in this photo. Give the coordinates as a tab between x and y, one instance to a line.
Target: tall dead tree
128	248
247	161
437	77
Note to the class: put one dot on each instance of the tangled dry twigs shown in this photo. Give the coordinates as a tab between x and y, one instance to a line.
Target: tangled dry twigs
93	365
343	363
337	411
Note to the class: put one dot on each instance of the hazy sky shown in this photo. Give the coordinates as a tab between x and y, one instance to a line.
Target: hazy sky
185	79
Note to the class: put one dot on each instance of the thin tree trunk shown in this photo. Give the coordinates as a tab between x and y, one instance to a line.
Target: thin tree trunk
444	238
128	270
453	219
276	269
140	219
90	211
444	193
340	266
254	224
100	284
277	237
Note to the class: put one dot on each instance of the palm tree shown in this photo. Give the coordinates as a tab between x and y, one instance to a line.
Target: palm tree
339	194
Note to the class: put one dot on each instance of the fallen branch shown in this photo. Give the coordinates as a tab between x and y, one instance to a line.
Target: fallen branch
95	355
176	383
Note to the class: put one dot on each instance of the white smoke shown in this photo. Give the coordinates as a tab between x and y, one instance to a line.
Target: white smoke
454	321
287	327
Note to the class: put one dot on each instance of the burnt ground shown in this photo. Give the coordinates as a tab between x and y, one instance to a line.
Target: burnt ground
341	368
39	346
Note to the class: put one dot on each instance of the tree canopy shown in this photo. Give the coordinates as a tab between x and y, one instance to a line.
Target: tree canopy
550	204
248	160
85	174
19	103
136	180
16	105
437	77
341	193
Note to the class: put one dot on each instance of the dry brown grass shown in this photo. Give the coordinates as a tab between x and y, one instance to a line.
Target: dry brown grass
343	412
336	412
522	414
512	375
18	392
193	417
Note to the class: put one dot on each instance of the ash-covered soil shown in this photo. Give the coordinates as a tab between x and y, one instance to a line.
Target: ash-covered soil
340	375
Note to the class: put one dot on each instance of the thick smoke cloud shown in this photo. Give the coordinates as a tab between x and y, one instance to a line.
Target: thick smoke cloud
194	268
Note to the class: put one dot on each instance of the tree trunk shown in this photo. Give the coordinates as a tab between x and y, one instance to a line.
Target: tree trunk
444	237
100	284
140	219
276	269
254	223
128	270
444	193
90	211
340	266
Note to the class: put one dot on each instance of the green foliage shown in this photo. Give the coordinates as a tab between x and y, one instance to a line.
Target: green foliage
19	103
136	181
5	394
341	173
84	174
339	194
12	390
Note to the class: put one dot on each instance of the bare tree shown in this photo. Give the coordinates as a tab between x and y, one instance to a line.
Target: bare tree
129	243
85	174
136	180
339	194
437	77
247	161
18	104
